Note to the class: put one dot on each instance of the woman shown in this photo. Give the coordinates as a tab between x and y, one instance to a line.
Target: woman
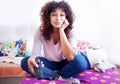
60	60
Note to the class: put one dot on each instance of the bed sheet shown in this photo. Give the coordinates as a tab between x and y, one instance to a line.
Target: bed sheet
111	76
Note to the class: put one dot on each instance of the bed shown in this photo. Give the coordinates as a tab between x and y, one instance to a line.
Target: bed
10	72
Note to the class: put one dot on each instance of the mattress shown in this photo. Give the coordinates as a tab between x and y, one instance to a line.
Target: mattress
10	70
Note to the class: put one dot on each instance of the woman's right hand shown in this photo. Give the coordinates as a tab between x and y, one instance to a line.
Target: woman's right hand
32	64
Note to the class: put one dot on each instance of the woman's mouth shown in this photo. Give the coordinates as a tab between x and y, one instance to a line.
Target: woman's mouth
57	23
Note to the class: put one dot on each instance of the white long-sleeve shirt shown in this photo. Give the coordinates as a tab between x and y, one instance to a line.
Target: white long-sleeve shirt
52	52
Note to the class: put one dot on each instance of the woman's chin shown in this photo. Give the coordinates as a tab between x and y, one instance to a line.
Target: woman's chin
57	27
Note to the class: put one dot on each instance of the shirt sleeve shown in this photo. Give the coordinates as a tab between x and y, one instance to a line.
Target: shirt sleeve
74	39
37	43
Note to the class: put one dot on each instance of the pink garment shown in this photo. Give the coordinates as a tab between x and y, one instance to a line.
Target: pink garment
52	52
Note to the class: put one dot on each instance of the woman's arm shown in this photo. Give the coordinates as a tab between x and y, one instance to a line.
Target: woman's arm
37	44
67	49
35	52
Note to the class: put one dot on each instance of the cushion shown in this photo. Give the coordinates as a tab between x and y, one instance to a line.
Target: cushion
111	76
14	48
82	45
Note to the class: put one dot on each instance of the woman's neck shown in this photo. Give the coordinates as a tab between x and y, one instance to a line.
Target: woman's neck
56	36
56	30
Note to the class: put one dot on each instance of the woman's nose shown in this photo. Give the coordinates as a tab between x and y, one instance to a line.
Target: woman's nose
58	17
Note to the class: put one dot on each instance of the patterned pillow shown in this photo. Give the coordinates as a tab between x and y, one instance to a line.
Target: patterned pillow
14	48
82	45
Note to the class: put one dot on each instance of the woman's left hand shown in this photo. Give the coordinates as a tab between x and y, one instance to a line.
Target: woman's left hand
65	24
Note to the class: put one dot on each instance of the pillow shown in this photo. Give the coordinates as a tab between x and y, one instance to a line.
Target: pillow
82	45
21	47
14	48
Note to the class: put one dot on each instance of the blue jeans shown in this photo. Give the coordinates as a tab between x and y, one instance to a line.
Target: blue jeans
64	68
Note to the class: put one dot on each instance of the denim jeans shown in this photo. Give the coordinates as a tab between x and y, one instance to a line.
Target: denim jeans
64	68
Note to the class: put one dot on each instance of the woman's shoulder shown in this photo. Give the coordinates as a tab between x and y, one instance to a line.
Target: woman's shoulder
41	28
38	32
73	32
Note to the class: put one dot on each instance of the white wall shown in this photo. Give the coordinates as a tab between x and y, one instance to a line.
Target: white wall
18	19
98	21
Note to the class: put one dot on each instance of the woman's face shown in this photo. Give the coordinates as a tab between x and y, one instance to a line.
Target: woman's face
57	18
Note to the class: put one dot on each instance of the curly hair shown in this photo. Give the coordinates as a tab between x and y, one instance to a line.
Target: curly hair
45	12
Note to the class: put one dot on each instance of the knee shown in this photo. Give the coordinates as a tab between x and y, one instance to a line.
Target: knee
81	62
24	63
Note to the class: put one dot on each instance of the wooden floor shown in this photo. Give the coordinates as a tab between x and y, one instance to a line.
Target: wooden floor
10	80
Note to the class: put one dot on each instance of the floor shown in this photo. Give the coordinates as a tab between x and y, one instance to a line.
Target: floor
10	80
118	67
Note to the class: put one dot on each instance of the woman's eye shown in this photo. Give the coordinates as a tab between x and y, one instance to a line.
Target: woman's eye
54	14
62	15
